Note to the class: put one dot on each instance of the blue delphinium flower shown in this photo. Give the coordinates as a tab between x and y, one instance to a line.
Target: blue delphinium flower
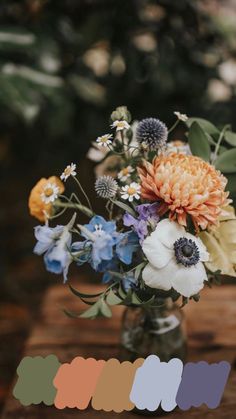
127	244
55	243
147	216
101	235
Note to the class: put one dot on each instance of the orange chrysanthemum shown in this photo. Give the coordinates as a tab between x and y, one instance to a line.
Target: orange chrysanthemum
185	185
38	208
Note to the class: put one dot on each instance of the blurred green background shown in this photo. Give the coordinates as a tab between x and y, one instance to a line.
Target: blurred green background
64	66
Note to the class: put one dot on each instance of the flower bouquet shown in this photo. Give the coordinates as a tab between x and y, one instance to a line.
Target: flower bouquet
169	228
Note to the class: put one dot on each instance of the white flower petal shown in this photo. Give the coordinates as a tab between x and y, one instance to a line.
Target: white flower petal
156	278
157	254
168	232
188	281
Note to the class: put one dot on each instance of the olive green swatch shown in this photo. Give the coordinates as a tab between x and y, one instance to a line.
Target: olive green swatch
35	380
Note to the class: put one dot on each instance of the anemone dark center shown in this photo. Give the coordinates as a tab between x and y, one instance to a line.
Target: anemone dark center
186	252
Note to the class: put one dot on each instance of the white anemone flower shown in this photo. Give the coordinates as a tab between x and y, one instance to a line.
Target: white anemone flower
175	259
131	192
70	170
181	116
120	125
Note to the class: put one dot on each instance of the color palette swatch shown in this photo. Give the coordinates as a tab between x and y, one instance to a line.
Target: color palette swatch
120	386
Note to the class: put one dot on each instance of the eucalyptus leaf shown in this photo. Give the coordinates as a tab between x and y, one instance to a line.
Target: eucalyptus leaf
113	299
230	138
204	124
226	162
198	142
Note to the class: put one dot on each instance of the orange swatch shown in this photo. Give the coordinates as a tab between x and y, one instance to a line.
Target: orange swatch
114	386
76	382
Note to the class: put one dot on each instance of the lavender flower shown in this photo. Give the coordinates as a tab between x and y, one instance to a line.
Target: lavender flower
147	217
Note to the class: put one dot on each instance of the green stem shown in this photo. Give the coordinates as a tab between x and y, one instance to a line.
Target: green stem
173	126
82	208
83	192
220	139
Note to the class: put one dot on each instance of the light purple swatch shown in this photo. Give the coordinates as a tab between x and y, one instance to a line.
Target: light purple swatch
156	383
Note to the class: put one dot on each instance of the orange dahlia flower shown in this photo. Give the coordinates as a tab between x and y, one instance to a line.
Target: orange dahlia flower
37	207
185	185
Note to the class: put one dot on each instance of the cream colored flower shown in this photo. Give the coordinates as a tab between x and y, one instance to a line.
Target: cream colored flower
50	193
125	173
221	244
70	170
104	140
175	259
131	192
181	116
120	125
178	146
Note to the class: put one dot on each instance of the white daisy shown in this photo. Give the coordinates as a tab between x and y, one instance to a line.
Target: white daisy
104	140
50	193
175	259
181	116
125	173
120	125
70	170
131	192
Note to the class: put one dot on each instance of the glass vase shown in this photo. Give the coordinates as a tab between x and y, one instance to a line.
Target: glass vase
159	331
153	331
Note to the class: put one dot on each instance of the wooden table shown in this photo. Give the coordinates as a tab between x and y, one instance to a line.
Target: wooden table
211	327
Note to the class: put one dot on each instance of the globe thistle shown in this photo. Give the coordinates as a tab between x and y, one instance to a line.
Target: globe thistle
152	134
106	187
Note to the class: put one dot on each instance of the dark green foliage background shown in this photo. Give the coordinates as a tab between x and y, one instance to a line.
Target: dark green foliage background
173	76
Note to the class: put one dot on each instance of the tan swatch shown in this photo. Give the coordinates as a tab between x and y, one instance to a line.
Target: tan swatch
76	382
114	386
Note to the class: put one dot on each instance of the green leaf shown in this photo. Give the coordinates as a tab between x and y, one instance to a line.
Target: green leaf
70	314
123	206
112	299
92	312
82	295
138	270
198	142
230	138
105	310
204	124
231	185
226	162
121	292
135	300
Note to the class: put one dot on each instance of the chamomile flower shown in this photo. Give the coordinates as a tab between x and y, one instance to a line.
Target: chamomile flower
131	192
125	173
50	193
104	140
120	125
181	116
70	170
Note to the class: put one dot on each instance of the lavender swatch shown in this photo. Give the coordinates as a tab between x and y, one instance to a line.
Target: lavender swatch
202	383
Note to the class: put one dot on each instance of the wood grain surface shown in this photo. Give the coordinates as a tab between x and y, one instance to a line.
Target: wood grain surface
211	329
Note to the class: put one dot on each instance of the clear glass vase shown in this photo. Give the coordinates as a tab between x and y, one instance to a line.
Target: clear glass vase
159	331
